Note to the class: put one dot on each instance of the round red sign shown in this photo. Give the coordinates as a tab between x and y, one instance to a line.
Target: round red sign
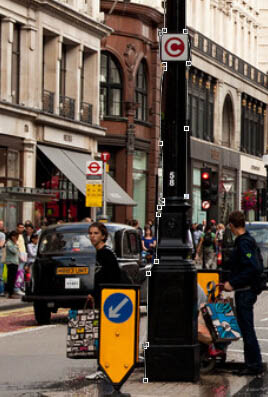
105	156
94	167
205	205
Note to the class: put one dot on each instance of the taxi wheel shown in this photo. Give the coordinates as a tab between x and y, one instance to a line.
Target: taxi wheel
42	313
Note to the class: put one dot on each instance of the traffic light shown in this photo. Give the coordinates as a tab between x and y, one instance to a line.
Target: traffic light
205	188
209	188
214	187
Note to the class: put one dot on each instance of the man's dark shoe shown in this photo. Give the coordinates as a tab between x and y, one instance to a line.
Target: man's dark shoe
251	372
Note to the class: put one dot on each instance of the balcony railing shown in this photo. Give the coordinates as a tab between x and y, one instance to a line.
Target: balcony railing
231	61
86	112
67	107
48	101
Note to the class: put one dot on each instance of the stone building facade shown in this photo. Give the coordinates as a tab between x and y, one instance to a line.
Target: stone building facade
130	103
50	59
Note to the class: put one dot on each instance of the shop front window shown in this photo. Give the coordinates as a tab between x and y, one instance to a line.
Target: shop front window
227	196
139	186
197	214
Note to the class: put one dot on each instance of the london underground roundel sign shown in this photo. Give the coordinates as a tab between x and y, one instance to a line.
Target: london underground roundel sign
174	47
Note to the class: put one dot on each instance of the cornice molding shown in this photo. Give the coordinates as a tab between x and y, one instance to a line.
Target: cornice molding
147	14
72	16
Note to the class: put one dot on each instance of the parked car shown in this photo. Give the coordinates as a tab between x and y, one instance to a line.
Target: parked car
258	230
63	272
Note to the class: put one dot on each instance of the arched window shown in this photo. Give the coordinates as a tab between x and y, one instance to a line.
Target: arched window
227	122
110	86
141	93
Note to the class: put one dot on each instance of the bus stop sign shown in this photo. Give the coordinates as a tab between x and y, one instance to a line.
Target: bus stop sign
118	334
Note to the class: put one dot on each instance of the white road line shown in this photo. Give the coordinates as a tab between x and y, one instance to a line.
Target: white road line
242	351
264	319
22	331
265	328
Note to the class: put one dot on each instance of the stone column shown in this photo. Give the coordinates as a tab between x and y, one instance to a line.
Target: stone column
29	76
218	89
57	77
92	83
29	173
6	58
237	115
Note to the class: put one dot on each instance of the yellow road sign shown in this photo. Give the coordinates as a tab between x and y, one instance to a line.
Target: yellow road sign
93	195
204	277
118	338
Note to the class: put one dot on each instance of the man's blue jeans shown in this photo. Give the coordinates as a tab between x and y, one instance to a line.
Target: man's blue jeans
244	308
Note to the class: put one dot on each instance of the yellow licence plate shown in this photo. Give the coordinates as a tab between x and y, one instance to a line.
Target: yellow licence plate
72	270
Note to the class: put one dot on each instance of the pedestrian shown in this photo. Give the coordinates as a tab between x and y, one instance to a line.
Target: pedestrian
219	235
136	225
22	258
207	245
152	226
213	225
27	233
243	265
12	262
148	243
109	270
32	252
2	251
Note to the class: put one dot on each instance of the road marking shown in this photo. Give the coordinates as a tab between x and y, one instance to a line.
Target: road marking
22	331
264	319
265	328
242	351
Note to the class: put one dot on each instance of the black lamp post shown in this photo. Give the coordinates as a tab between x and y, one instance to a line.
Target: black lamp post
173	352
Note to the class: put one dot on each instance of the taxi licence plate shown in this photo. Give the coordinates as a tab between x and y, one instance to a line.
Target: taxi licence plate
72	270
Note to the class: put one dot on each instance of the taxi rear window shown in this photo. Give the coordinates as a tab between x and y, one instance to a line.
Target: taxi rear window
65	242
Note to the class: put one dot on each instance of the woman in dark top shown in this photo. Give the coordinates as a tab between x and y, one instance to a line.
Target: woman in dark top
109	271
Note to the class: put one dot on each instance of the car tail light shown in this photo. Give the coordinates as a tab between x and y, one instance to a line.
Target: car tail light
219	259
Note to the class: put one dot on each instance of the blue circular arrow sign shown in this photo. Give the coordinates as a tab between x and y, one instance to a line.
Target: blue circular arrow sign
118	308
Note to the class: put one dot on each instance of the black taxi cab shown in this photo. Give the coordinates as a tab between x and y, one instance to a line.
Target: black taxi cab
64	269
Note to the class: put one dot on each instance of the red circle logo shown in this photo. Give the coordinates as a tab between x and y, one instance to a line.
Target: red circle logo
174	47
94	167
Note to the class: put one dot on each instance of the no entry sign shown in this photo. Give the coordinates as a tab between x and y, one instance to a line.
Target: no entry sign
174	47
94	168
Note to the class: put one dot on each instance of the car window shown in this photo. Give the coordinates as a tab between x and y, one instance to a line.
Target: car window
65	242
259	232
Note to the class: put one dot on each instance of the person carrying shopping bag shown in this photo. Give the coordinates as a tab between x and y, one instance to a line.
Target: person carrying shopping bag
12	262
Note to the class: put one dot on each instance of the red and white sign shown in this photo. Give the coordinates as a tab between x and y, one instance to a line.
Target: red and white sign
105	156
174	47
205	205
94	168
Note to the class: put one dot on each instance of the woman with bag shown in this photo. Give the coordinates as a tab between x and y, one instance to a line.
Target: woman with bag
12	262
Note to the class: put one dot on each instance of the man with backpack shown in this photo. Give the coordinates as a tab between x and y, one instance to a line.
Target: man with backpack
207	246
246	267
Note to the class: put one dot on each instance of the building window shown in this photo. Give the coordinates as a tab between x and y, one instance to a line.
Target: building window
63	70
252	126
201	105
139	185
9	168
141	93
110	86
15	65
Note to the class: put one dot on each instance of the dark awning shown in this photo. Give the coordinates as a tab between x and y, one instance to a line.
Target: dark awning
73	165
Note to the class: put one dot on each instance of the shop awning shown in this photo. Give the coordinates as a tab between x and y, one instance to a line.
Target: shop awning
26	194
73	165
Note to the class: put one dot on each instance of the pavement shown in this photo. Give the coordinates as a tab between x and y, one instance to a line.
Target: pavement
9	304
221	383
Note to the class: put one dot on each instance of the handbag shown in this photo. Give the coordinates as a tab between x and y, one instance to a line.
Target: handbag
221	321
83	333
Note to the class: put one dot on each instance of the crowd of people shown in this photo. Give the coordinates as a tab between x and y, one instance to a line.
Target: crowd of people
207	242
